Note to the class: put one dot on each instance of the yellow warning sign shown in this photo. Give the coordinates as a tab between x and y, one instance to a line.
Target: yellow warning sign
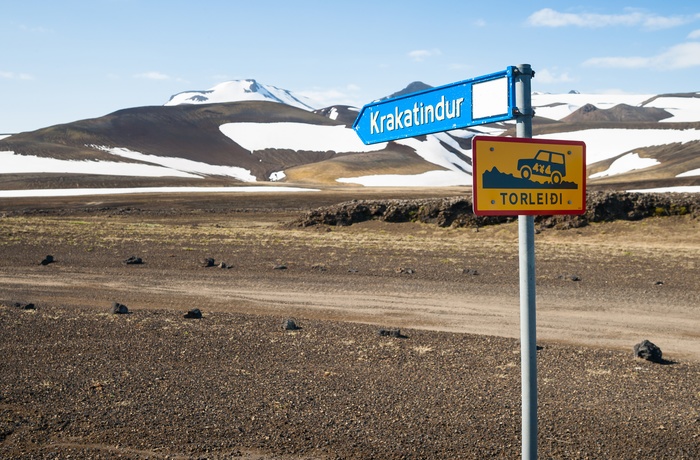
522	176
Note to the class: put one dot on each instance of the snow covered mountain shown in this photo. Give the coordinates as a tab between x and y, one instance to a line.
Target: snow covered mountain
245	132
682	107
241	90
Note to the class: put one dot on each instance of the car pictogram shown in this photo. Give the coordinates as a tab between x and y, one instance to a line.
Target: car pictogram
545	164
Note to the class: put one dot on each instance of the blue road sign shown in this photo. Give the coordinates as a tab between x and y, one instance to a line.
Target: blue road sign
477	101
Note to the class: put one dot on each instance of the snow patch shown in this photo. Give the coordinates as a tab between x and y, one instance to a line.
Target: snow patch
22	164
432	151
680	189
181	164
683	109
692	172
120	191
152	166
296	136
277	176
602	144
626	163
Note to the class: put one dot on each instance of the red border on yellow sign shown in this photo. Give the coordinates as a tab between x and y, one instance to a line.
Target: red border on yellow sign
522	176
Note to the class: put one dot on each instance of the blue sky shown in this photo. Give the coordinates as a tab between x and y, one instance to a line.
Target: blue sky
69	60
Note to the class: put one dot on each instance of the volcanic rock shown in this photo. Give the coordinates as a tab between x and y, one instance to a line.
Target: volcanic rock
194	314
119	309
24	306
391	333
207	262
47	260
649	351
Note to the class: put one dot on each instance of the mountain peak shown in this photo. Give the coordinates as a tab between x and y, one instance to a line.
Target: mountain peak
240	90
413	87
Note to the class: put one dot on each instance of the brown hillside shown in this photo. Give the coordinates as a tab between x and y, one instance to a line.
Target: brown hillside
619	113
185	131
395	159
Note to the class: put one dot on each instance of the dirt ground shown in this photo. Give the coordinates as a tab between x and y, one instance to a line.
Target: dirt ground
335	388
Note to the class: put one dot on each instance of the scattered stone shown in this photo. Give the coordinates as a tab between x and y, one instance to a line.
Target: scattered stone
319	267
649	351
569	277
470	271
279	267
391	333
224	265
133	260
405	271
47	260
194	314
352	270
659	283
207	262
24	306
119	309
290	325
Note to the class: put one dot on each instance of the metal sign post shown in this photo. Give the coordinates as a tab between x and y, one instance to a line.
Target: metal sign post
527	177
528	325
511	180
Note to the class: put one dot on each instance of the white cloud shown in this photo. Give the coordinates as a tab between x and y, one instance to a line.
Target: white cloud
682	56
324	97
694	35
618	62
34	29
153	76
15	76
421	55
223	77
458	66
159	76
548	17
552	76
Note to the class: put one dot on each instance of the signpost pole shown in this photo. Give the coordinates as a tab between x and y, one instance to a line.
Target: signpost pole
528	335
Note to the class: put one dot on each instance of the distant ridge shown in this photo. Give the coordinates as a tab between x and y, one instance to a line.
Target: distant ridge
413	87
619	113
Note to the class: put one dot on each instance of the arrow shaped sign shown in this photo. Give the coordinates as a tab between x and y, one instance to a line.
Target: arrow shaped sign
477	101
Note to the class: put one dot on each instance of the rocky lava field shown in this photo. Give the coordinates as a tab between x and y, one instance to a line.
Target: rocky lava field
406	343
